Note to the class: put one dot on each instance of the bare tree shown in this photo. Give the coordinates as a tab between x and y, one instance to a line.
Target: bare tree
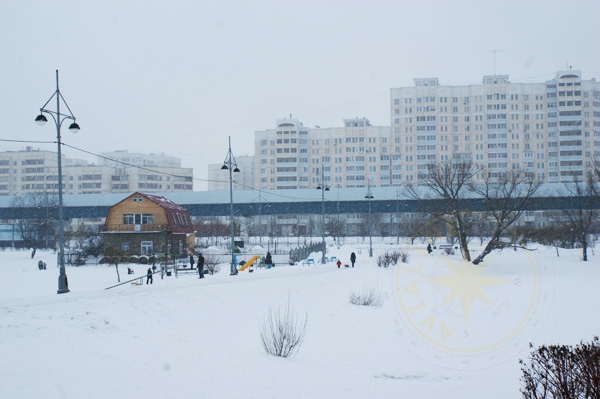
38	230
596	169
86	238
410	225
211	228
335	227
211	264
449	182
556	234
505	198
482	230
582	218
114	255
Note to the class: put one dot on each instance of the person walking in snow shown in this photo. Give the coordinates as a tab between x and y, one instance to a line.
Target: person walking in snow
339	263
352	258
429	250
149	276
191	261
268	260
200	266
41	265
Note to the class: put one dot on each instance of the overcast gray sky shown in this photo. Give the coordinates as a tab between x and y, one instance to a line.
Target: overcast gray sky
180	76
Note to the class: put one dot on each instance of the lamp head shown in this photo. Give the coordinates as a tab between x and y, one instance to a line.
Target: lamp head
41	120
224	167
74	127
236	170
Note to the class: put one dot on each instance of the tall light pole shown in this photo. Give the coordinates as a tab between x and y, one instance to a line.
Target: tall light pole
323	188
230	164
338	228
63	284
369	197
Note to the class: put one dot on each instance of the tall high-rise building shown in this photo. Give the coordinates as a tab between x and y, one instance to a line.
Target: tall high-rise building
549	129
292	156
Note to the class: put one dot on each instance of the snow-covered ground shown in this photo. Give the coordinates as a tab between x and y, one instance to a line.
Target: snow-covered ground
445	329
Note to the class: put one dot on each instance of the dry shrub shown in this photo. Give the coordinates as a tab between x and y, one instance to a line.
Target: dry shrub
282	331
366	297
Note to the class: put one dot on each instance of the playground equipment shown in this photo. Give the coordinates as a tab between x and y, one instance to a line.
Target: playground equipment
249	263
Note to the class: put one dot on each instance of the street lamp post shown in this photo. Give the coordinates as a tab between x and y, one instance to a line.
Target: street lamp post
230	164
323	188
369	197
63	284
338	228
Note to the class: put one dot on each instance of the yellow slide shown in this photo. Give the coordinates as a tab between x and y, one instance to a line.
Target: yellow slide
249	263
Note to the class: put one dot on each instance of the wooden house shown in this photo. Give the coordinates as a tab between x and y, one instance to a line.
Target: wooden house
144	224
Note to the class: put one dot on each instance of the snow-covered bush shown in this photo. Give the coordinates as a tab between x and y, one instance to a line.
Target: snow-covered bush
282	331
404	256
366	297
391	258
211	265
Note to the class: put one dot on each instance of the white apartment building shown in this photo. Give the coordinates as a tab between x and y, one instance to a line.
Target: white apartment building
218	179
121	158
549	129
292	156
33	170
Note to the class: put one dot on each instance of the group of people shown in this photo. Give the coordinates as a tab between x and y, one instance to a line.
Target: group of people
150	272
352	260
41	265
200	264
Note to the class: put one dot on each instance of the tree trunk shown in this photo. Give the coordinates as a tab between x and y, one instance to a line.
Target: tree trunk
462	237
118	276
464	245
491	245
584	246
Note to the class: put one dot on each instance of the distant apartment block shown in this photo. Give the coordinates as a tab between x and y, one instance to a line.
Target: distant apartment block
36	171
218	179
292	156
549	129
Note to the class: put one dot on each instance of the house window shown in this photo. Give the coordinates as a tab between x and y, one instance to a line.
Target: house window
138	218
125	247
147	218
147	248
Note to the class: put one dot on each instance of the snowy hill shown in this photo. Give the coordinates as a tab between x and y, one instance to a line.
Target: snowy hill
434	336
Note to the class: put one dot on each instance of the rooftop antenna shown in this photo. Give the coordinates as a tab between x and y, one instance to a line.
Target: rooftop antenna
494	51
